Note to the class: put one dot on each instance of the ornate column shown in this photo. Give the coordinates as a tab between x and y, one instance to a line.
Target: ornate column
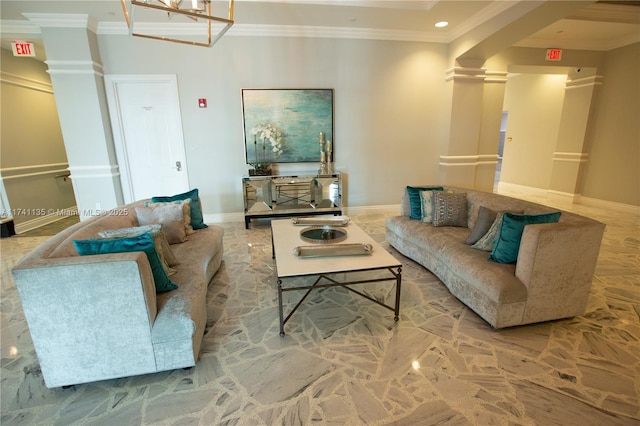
570	157
77	79
469	152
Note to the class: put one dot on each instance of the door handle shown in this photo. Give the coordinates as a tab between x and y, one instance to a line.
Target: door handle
178	165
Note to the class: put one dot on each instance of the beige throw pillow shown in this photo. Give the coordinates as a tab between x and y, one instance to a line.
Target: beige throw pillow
186	212
171	217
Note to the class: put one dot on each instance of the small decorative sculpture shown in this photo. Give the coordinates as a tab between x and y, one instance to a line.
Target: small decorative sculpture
326	160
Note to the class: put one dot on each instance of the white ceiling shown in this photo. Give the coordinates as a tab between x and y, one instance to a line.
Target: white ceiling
596	26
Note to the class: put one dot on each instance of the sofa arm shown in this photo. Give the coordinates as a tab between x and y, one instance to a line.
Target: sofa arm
87	315
556	262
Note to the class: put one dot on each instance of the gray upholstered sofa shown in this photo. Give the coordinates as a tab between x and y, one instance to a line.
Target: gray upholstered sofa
99	317
550	280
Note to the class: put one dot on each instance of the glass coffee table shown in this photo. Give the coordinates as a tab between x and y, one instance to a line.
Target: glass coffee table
357	252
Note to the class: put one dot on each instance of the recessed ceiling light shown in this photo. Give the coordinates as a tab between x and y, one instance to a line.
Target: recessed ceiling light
441	24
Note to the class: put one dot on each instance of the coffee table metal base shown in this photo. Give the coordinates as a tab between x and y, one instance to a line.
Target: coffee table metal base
396	275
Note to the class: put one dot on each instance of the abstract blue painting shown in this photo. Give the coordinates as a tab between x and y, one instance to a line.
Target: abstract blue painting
284	125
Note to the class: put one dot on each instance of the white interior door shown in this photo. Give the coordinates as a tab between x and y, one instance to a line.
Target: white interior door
147	127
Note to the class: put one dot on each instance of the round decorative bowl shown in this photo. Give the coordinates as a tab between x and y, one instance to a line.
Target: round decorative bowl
323	234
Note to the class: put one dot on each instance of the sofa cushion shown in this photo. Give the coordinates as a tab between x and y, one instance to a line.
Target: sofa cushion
485	219
507	245
415	202
197	220
142	243
450	209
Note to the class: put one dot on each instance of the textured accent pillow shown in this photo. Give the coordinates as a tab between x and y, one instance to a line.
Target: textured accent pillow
487	241
415	204
450	209
142	243
485	219
197	220
171	217
162	246
426	203
507	245
186	211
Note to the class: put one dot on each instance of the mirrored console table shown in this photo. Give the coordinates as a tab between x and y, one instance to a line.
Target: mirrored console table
302	194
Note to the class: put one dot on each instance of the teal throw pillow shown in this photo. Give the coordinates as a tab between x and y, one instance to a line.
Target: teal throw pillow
415	202
197	221
142	242
506	248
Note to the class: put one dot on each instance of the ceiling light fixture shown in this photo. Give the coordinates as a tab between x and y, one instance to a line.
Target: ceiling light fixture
198	10
441	24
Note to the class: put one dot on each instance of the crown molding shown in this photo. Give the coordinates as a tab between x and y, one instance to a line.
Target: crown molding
33	27
19	27
334	32
545	43
254	30
63	20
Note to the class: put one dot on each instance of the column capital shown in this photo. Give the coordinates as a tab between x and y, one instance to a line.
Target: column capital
464	73
477	74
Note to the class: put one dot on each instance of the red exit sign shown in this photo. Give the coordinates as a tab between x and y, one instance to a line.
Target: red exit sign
554	54
23	48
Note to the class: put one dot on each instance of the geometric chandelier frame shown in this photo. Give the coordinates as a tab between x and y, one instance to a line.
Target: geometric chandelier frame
172	7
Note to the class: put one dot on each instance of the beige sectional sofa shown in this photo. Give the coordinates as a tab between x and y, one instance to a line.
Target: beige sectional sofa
99	317
550	280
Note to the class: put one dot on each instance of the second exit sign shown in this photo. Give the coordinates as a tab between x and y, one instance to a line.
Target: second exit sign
554	54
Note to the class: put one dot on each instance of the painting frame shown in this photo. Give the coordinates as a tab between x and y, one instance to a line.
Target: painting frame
284	125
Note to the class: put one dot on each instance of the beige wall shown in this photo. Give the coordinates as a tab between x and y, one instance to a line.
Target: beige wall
390	106
613	138
32	151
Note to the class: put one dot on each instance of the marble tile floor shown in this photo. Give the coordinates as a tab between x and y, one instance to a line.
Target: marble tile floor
345	362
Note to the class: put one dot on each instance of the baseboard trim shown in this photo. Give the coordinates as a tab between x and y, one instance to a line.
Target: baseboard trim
383	209
572	198
609	205
223	218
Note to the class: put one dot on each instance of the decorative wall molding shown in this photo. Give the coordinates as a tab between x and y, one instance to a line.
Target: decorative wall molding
573	157
477	74
593	80
75	67
22	172
26	83
93	172
468	160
